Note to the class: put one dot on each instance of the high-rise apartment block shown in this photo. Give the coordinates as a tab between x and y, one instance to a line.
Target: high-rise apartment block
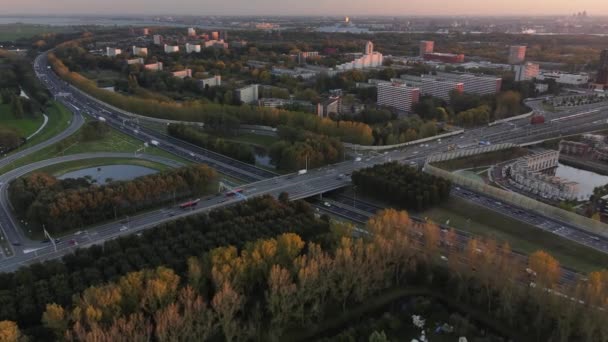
475	84
517	54
602	73
171	48
191	32
433	86
248	94
370	59
398	96
526	71
215	35
113	52
426	46
190	48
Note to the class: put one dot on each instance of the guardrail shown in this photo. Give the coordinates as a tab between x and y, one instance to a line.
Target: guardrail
522	116
409	143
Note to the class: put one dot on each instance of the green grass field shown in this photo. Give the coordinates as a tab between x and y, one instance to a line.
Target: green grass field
113	142
12	32
523	237
24	126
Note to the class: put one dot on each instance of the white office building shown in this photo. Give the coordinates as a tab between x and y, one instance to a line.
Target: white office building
190	48
214	81
565	78
398	96
249	94
113	52
140	51
171	48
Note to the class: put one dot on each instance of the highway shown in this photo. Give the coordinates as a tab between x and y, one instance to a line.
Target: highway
261	181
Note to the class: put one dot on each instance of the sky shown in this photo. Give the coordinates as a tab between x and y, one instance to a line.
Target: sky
304	7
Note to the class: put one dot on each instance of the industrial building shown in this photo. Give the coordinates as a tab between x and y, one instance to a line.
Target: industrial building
565	78
397	96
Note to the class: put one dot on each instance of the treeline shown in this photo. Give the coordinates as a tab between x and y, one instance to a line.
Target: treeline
195	136
214	114
286	288
60	205
25	293
299	149
21	74
9	139
402	185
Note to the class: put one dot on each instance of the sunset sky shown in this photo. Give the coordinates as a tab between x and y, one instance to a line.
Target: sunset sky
306	7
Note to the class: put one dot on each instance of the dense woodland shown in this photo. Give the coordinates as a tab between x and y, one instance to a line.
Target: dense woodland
298	149
60	205
25	293
288	287
197	137
402	186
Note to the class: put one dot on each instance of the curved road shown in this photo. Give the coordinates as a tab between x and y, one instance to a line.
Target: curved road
75	124
12	230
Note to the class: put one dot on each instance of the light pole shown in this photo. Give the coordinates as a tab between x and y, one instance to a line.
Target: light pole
354	197
48	236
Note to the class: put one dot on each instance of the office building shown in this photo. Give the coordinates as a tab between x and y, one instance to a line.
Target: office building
154	66
183	73
474	84
191	32
113	52
517	54
526	71
602	73
565	78
190	48
138	60
140	51
171	48
426	46
248	94
370	59
398	96
214	81
433	86
444	57
158	39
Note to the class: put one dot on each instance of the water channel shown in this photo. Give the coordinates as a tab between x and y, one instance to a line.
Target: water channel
102	174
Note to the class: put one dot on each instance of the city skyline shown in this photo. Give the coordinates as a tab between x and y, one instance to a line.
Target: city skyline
313	7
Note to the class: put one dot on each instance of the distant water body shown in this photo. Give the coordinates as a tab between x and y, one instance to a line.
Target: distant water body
79	21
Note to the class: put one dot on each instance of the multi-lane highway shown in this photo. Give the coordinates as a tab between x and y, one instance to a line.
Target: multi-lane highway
262	181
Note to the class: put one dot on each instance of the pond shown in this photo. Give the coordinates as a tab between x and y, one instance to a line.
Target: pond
262	158
586	180
101	174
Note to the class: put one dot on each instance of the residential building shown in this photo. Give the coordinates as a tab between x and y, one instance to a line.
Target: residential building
575	148
475	84
138	60
541	88
602	72
426	46
526	71
158	66
190	48
218	44
303	56
214	81
565	78
370	59
517	54
332	105
444	57
171	48
248	94
183	73
215	35
191	32
113	52
398	96
140	51
434	86
158	39
145	31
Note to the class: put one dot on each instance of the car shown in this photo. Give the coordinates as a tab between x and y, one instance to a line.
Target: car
123	228
171	214
327	204
16	243
72	243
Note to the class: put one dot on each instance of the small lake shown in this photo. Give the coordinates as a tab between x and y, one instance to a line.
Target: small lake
586	180
101	174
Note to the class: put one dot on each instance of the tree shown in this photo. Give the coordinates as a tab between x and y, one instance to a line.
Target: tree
507	104
547	268
378	337
9	332
17	107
